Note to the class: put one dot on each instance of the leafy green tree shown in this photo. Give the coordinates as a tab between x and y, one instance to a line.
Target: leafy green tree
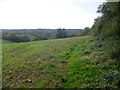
85	31
107	31
13	37
61	33
41	37
107	25
24	39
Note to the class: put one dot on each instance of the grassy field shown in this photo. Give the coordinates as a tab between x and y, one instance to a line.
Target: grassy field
58	63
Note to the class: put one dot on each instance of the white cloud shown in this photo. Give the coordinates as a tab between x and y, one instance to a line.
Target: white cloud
45	14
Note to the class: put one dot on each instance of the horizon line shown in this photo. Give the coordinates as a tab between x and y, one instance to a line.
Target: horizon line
36	28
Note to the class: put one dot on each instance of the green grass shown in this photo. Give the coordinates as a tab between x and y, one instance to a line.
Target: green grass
58	63
6	42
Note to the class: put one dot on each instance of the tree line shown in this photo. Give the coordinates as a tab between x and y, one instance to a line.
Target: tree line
27	35
106	31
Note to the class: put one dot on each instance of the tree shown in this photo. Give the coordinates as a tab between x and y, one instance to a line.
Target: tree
86	31
13	37
61	33
107	26
106	30
41	37
24	39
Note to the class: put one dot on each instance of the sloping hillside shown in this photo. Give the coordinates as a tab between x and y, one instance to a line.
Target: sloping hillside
57	63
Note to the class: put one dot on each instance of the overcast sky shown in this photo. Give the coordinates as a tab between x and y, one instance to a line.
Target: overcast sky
19	14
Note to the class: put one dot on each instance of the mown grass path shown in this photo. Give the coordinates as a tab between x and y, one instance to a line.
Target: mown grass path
50	64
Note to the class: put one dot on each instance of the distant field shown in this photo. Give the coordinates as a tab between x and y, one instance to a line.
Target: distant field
58	63
6	42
